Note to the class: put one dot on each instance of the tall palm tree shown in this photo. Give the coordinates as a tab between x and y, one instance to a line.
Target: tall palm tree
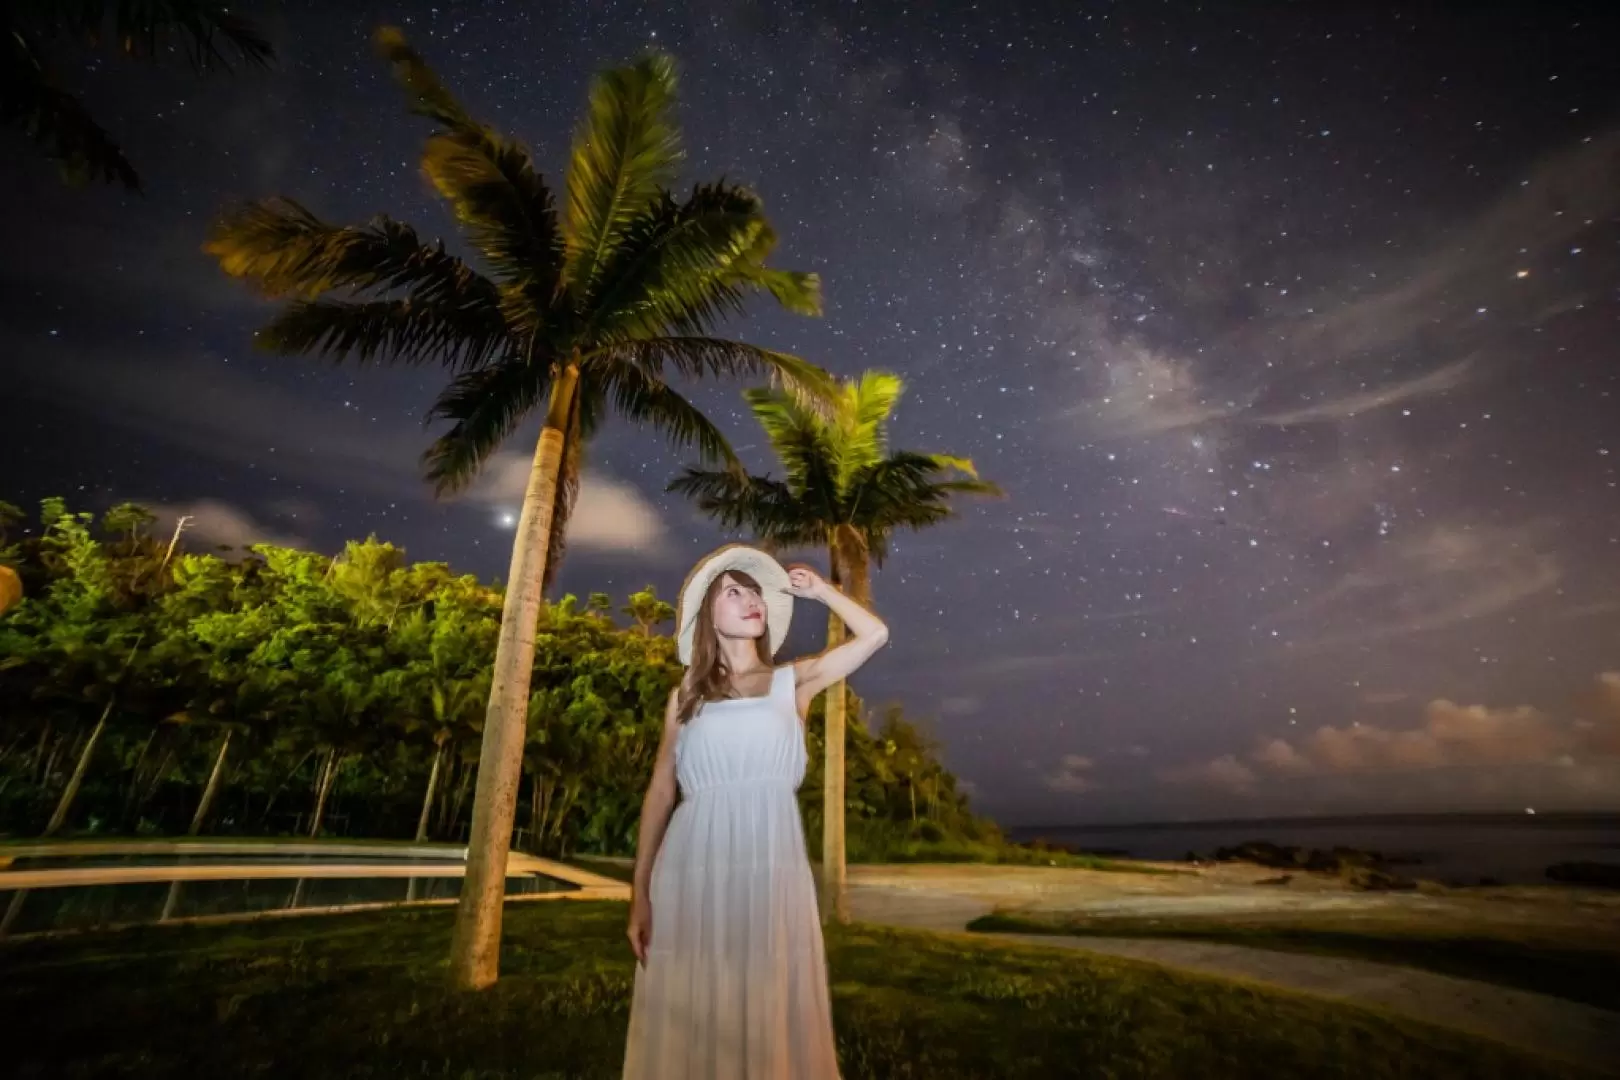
844	491
206	31
583	310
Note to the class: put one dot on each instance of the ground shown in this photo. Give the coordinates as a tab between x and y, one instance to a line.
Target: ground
365	995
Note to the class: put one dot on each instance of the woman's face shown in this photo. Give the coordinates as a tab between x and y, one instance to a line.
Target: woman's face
739	612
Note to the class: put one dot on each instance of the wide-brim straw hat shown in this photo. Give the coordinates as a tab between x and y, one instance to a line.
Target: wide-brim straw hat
773	582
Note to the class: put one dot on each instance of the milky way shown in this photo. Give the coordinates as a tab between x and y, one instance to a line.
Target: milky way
1291	337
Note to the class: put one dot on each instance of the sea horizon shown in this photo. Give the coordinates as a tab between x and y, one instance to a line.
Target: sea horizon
1459	817
1465	848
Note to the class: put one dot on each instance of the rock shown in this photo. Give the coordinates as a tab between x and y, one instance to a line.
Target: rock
1368	879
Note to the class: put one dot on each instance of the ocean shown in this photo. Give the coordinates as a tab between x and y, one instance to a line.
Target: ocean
1456	848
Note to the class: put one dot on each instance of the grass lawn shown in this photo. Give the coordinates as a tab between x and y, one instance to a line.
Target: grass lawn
363	996
1559	964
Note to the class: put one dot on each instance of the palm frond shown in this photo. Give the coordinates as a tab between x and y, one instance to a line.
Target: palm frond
767	508
484	406
491	185
507	213
57	122
284	250
204	30
799	436
625	153
802	382
645	399
681	267
459	338
861	423
910	490
429	96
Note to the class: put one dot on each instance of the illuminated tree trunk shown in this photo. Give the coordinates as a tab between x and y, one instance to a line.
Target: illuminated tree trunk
328	778
71	792
212	788
476	942
427	800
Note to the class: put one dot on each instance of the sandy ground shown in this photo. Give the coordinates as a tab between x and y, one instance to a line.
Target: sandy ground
946	898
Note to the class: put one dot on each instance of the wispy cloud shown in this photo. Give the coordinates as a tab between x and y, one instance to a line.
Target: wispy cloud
217	522
1072	776
1371	399
1225	773
608	516
1443	292
1433	579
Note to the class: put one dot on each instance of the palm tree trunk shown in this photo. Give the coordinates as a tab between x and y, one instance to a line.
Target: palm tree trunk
427	800
475	945
135	777
71	792
328	778
834	884
459	800
39	754
847	563
212	787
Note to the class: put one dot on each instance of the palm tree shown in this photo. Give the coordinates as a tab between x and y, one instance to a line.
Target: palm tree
846	492
205	31
583	311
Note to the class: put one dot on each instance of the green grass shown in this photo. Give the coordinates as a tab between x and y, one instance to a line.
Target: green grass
363	996
1544	964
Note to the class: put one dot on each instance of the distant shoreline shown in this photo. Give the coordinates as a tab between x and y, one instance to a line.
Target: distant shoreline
1566	818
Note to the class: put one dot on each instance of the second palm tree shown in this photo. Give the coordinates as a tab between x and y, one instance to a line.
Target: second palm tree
844	492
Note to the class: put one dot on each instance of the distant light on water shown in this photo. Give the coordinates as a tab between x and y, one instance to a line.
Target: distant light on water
1530	810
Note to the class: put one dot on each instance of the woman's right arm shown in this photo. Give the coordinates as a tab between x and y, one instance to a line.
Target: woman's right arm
656	806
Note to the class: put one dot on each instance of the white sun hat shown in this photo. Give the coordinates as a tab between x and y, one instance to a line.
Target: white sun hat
773	582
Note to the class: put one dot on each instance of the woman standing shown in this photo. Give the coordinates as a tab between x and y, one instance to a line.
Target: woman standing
731	975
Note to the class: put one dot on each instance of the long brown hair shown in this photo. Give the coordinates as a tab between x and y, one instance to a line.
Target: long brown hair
706	676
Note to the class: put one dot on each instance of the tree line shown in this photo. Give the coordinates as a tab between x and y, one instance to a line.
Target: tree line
147	689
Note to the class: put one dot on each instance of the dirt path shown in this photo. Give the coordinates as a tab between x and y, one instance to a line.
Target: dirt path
947	898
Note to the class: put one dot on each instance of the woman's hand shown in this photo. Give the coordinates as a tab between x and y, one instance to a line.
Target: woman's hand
806	583
640	929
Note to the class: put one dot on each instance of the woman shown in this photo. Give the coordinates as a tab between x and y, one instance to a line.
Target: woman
731	975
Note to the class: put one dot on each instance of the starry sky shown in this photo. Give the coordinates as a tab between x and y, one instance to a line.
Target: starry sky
1289	329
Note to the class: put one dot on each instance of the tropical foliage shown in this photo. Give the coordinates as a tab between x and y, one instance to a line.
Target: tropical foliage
344	696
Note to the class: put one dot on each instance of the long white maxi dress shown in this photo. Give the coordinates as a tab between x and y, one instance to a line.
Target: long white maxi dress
735	986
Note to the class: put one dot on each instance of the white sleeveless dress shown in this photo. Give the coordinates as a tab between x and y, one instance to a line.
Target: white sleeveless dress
735	986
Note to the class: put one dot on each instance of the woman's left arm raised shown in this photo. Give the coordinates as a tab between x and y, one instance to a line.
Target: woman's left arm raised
868	634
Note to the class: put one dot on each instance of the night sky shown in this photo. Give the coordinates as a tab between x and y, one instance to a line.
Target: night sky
1291	335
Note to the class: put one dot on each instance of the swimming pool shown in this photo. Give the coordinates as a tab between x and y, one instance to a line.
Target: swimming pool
54	888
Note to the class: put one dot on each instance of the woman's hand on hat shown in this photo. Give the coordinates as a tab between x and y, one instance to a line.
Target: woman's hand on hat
805	582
